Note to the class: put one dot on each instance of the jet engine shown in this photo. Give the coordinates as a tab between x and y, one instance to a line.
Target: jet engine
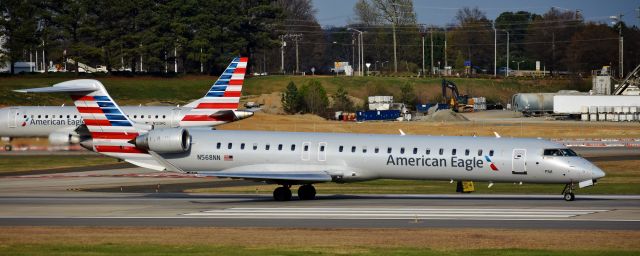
63	138
170	140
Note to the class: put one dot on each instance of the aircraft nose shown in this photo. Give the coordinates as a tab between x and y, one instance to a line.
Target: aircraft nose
597	173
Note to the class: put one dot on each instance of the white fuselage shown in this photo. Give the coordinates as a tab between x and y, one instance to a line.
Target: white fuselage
31	121
357	157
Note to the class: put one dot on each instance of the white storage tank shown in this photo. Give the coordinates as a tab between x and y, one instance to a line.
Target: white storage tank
572	104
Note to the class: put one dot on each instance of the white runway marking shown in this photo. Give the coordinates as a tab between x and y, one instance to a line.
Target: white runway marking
392	213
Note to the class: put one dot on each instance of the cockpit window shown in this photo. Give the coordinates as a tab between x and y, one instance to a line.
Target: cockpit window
568	152
560	152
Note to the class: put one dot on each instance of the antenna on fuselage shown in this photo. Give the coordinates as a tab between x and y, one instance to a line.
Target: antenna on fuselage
401	132
497	135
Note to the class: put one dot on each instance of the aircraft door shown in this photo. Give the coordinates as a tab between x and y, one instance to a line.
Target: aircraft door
175	117
519	161
322	151
306	151
12	117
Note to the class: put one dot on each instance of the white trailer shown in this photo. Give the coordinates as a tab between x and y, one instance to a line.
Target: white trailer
574	104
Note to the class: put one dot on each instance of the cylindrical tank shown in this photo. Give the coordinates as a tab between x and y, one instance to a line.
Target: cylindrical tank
537	103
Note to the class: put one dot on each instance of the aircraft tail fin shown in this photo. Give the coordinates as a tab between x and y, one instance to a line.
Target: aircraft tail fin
224	95
110	128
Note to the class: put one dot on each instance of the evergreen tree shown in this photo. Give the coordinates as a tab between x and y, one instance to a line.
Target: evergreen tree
341	100
314	98
407	94
291	99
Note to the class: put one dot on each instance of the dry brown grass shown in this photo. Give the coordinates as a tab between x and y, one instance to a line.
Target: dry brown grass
312	123
437	238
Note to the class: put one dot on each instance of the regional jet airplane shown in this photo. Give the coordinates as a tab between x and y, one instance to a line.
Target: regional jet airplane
59	123
291	159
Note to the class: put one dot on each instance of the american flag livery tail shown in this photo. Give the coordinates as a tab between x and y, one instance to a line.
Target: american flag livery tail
221	102
110	129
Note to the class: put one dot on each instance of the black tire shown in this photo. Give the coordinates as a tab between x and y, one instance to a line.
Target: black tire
282	194
569	197
8	147
307	192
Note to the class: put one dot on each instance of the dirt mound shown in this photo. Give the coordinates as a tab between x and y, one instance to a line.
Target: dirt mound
444	115
271	103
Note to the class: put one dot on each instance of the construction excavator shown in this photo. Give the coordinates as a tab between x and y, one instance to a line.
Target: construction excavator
457	102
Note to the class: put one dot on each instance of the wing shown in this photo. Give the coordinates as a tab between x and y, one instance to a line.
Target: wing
279	173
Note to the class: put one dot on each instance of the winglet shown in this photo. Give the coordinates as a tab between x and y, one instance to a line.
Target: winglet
497	135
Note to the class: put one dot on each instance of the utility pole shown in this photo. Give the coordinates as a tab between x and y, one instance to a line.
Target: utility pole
422	51
495	49
201	66
507	71
282	45
620	43
360	51
175	59
431	35
445	47
353	52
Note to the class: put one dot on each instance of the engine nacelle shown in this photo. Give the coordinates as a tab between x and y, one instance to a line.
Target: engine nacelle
170	140
63	138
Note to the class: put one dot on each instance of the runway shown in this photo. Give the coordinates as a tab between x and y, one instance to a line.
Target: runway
329	211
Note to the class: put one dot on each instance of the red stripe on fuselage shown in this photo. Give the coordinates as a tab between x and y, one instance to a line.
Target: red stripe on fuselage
90	110
113	135
97	122
217	105
120	149
231	94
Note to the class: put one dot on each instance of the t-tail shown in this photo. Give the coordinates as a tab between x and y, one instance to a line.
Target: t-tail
110	131
220	104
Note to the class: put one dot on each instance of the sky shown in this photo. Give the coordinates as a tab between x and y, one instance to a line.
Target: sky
441	12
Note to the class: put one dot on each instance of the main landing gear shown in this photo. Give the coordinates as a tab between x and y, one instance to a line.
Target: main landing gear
568	192
305	192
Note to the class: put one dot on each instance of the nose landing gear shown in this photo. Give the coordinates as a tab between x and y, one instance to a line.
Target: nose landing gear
568	192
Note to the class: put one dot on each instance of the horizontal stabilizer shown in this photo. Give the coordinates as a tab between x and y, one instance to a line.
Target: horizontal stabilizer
80	85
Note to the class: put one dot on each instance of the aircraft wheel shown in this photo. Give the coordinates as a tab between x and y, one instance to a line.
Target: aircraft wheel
307	192
569	197
8	147
282	194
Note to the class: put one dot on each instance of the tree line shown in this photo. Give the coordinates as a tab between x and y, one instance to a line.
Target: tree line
284	36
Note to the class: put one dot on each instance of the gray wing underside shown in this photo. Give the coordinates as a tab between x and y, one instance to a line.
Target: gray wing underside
293	174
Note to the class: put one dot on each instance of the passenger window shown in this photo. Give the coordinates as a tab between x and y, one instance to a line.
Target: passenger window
340	148
163	116
46	116
293	147
441	151
135	116
230	145
141	116
466	152
25	116
75	116
364	149
149	116
255	146
353	149
479	152
453	152
491	152
39	116
266	147
428	151
60	116
401	150
242	146
322	148
415	151
279	147
68	116
306	148
156	116
218	145
389	150
376	150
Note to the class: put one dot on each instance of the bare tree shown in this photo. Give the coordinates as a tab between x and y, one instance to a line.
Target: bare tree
393	12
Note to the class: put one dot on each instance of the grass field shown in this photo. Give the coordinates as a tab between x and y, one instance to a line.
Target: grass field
281	241
180	90
27	163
